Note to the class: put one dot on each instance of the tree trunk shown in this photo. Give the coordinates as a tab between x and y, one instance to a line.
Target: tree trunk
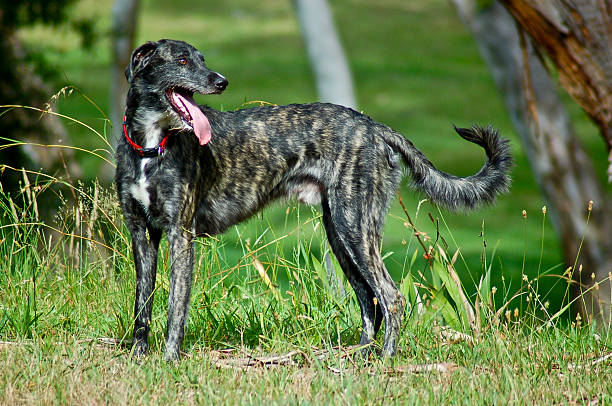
560	165
331	70
21	85
123	32
577	36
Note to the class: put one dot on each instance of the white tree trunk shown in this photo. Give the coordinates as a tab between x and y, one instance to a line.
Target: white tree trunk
559	163
331	70
123	31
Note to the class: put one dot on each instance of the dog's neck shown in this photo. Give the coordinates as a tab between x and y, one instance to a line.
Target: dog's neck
146	119
148	127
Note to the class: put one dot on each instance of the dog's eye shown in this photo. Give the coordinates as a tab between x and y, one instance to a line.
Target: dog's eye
182	61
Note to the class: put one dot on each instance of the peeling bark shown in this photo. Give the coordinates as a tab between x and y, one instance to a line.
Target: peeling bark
560	165
577	37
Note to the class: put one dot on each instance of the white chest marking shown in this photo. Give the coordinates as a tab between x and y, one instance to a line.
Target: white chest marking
139	189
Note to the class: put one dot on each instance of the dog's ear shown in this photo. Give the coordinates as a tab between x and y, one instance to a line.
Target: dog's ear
140	58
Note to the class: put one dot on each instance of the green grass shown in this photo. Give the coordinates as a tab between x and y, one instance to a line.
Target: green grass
415	69
66	317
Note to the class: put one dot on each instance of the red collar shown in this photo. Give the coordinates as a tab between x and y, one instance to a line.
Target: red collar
146	152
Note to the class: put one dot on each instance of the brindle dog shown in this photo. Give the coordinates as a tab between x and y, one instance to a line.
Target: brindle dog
190	170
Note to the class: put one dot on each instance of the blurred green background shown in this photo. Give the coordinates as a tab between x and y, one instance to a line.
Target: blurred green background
415	68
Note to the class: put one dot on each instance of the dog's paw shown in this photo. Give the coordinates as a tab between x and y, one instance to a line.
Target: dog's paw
139	350
171	354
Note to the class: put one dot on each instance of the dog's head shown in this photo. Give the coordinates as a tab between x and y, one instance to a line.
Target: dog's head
175	70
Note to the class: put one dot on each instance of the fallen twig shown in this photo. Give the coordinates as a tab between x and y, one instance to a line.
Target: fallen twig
453	336
591	363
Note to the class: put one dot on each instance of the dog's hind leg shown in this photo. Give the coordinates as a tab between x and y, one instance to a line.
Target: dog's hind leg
389	297
145	249
371	315
357	246
181	277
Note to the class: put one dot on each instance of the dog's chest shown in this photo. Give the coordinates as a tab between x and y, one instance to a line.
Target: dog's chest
140	188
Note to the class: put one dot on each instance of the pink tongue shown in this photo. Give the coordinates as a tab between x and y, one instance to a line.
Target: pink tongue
201	125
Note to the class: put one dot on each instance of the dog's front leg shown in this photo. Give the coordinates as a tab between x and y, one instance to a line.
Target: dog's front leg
145	258
181	276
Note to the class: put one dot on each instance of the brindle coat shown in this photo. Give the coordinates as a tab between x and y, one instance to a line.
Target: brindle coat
320	153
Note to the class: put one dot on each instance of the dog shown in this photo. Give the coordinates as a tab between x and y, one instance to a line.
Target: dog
190	171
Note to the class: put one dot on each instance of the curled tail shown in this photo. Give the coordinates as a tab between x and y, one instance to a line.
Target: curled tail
452	191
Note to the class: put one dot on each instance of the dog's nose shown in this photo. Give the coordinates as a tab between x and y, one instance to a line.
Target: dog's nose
221	83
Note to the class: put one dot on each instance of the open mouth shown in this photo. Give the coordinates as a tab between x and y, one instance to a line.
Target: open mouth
183	104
